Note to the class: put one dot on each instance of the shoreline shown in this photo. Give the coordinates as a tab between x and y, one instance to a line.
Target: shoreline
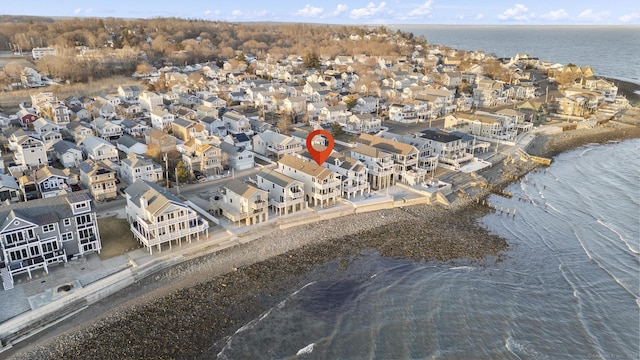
178	304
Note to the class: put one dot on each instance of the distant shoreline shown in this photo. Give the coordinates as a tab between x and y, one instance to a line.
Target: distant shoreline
221	292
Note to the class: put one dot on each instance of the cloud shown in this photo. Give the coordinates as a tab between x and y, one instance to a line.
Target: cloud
555	15
79	11
518	13
629	17
422	10
236	13
479	17
590	15
368	11
212	13
339	10
309	11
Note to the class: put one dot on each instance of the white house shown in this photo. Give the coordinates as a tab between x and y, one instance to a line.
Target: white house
237	158
286	195
99	149
321	185
161	119
68	153
30	152
136	167
157	217
274	145
242	201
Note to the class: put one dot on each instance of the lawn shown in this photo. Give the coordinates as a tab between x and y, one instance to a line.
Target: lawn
116	237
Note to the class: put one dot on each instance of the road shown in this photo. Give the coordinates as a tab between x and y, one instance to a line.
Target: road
188	191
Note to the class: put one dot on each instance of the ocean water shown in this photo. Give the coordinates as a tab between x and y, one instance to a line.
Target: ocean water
568	288
611	51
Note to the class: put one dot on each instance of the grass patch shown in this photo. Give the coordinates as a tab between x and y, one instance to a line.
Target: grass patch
116	237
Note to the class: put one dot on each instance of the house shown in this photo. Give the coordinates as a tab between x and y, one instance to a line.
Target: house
9	188
330	114
107	129
274	145
165	142
43	125
161	119
130	91
41	233
101	107
99	149
30	152
237	158
51	181
99	179
380	166
184	129
403	113
157	217
353	173
236	123
359	123
150	101
321	185
129	145
202	156
241	201
427	159
239	140
79	131
135	167
78	112
405	157
26	117
449	148
68	154
286	194
134	128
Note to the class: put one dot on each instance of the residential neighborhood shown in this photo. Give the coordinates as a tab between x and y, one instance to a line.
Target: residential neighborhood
414	120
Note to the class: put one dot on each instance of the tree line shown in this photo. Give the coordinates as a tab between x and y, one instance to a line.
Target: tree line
124	43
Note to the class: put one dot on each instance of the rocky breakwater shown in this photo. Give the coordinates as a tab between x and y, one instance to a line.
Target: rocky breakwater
199	305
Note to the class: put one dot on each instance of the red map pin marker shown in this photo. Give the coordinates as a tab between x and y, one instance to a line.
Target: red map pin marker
320	156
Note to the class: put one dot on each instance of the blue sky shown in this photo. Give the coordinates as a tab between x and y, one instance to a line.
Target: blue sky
559	12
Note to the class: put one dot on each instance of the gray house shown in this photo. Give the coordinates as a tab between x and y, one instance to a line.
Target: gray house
38	234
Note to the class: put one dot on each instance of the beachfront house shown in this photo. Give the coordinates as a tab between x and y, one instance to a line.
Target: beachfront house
242	202
157	217
286	194
321	185
379	163
41	233
405	158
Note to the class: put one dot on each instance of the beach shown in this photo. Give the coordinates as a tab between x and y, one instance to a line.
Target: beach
180	312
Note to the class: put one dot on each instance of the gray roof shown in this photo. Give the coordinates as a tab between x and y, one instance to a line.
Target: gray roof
275	177
439	136
128	141
157	197
43	211
63	146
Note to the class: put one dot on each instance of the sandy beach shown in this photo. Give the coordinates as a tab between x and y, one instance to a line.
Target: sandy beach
182	311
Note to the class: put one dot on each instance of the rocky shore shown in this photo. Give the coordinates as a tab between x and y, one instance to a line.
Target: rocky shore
183	311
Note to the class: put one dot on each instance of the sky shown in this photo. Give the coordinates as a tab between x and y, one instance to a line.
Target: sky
469	12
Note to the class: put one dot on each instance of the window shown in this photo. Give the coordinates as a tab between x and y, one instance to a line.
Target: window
81	205
84	219
48	228
67	222
68	236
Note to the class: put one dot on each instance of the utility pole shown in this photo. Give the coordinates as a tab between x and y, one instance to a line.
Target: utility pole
166	166
175	171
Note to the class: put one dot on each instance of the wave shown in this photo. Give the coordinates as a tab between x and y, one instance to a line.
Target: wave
306	350
609	226
604	268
